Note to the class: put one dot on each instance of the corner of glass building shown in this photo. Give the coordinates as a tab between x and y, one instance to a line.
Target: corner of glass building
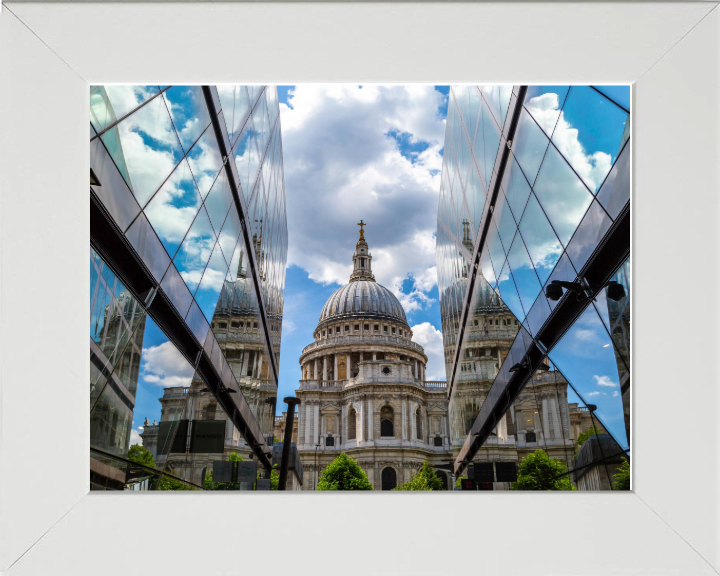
188	254
533	258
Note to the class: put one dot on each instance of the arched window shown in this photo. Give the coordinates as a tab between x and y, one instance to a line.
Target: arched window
438	441
418	424
386	421
440	474
352	424
389	478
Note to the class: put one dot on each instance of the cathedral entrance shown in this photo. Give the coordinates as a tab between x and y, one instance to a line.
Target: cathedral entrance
389	479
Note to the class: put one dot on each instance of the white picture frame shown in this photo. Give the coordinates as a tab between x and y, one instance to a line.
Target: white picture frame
49	522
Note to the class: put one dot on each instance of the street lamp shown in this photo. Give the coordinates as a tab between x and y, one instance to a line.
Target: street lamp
316	469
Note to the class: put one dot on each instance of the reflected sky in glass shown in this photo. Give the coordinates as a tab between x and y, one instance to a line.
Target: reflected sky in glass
585	356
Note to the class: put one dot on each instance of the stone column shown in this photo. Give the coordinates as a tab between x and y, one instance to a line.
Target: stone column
246	356
403	403
324	368
545	420
316	420
370	418
348	363
413	422
374	356
416	369
360	368
259	367
360	429
555	419
335	370
315	370
308	409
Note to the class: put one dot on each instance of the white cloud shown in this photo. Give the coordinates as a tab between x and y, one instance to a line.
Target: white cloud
165	366
596	393
604	381
615	394
342	165
431	340
135	437
592	168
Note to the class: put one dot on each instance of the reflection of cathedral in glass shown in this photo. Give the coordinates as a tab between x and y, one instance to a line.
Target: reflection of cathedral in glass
524	205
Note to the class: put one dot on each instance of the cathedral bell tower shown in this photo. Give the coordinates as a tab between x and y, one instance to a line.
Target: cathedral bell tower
362	268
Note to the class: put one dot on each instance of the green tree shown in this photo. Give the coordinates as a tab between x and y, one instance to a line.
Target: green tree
540	472
621	478
343	473
583	436
423	479
141	455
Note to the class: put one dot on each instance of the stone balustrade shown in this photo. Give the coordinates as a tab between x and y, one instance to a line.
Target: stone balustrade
432	385
373	340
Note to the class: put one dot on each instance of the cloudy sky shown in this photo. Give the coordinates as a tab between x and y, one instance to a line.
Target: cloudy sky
361	152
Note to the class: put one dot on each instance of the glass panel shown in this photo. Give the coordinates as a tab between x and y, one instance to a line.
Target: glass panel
495	248
147	144
529	145
515	187
177	290
193	255
585	355
509	294
592	229
113	192
615	191
218	201
491	134
112	102
246	159
540	239
475	195
504	219
212	282
205	161
148	246
189	112
589	134
544	104
619	94
562	195
173	209
524	275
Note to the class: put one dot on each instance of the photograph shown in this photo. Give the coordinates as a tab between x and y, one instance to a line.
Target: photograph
369	287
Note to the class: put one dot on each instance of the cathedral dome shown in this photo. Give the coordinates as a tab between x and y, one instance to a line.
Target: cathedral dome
362	298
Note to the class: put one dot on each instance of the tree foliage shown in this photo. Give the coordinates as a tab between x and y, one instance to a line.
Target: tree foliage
540	472
141	455
621	478
583	436
344	473
423	479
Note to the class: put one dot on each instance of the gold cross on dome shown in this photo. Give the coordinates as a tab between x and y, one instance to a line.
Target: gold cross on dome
362	232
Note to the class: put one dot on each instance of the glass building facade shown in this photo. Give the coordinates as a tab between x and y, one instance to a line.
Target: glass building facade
533	256
188	254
